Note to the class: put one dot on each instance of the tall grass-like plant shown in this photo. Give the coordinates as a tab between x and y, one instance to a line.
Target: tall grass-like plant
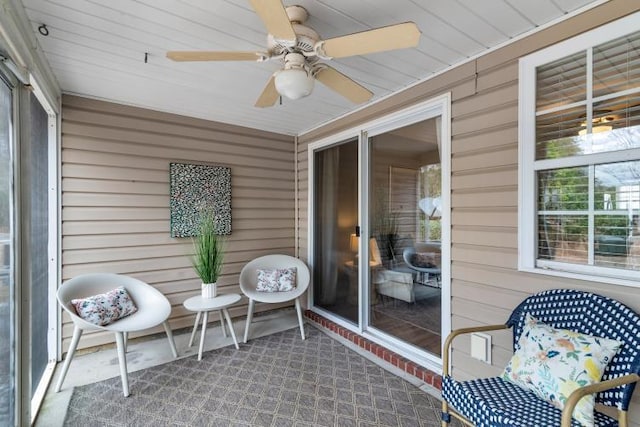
208	250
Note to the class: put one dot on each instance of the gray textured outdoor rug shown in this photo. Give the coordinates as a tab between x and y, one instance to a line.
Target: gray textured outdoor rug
278	380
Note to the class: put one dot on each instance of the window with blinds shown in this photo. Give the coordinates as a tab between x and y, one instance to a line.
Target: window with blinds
581	158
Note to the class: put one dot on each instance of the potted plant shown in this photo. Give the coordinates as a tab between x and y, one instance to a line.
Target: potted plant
208	255
384	223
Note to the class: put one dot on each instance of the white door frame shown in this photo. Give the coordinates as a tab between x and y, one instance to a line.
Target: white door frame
436	107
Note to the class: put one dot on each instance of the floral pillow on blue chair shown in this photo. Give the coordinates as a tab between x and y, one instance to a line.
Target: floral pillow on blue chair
552	363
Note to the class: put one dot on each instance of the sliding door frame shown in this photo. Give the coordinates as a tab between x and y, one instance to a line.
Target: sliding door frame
436	107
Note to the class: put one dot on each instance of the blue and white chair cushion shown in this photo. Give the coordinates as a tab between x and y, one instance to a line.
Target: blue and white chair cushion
493	402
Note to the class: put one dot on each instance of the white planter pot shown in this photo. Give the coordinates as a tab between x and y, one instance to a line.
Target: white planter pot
209	290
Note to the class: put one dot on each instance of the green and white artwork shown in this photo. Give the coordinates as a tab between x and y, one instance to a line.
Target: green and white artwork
196	189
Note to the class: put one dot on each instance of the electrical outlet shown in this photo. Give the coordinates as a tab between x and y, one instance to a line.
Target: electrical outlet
481	347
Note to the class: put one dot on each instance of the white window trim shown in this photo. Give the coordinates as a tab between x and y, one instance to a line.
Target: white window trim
527	231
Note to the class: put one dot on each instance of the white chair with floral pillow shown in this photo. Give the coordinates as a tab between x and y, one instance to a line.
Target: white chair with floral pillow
150	308
264	268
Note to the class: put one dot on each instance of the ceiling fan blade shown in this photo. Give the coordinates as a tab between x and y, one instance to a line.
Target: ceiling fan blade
269	94
275	18
379	40
214	56
342	84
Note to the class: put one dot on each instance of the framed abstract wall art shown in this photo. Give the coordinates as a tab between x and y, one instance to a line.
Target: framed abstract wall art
195	189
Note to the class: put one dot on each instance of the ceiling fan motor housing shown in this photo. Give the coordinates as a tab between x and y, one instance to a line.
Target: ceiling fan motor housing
306	37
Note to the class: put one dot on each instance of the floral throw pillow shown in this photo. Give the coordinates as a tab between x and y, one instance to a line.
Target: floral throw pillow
278	280
553	363
103	309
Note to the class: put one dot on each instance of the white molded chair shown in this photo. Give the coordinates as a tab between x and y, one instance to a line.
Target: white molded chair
249	279
153	309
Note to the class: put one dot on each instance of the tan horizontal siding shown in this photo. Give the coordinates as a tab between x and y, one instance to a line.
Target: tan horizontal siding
485	217
180	123
95	137
486	284
115	198
110	186
506	94
489	75
302	171
504	237
487	117
128	156
111	213
487	158
239	240
117	227
485	139
482	178
486	255
503	196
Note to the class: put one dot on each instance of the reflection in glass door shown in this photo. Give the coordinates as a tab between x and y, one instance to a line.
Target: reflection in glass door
405	234
336	231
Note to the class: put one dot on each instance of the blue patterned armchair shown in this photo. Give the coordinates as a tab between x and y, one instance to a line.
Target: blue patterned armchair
494	402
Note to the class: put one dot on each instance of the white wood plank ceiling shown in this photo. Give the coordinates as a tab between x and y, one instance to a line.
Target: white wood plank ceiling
97	48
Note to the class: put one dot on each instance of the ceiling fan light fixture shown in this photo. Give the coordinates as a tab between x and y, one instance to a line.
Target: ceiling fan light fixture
294	83
598	125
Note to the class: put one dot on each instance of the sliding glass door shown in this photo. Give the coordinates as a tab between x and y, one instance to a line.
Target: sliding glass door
379	230
336	231
404	229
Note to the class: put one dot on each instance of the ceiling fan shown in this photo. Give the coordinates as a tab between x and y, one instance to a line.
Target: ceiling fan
300	48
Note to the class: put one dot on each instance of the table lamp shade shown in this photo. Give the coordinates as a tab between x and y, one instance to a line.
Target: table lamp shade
353	242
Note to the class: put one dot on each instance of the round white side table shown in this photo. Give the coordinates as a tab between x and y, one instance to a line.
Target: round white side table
203	306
